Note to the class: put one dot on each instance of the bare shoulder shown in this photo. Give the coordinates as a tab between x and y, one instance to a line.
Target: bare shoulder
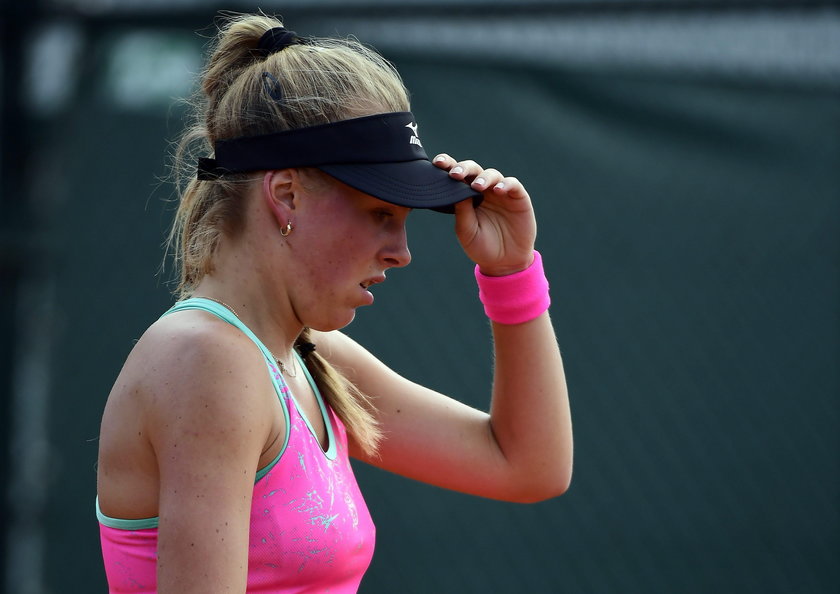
192	369
193	394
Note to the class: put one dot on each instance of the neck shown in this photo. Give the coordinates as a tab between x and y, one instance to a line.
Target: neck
256	296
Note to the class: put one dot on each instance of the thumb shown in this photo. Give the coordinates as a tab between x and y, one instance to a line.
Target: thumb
466	221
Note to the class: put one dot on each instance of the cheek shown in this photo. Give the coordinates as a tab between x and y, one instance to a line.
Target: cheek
324	293
330	255
337	242
326	259
335	246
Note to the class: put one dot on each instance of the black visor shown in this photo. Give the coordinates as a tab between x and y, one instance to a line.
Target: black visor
380	155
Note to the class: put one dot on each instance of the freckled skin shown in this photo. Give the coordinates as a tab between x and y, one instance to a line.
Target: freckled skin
343	237
191	371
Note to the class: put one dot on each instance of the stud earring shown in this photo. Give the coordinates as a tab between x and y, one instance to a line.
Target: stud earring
287	229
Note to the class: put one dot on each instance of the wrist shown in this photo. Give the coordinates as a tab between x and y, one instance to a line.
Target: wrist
514	298
506	270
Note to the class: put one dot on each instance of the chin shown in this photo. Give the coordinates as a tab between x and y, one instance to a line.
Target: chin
333	324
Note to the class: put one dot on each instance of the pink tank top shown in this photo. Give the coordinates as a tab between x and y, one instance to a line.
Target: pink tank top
310	527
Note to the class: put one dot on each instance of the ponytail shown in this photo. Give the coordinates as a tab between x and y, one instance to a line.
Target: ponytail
351	405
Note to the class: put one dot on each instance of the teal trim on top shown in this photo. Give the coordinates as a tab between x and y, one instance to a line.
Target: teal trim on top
140	524
228	316
331	448
264	471
222	312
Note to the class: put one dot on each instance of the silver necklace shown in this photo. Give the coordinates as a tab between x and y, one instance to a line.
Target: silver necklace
283	369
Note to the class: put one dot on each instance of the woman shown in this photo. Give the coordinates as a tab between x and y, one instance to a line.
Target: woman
224	447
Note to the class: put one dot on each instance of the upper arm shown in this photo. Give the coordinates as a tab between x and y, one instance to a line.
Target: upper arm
208	427
428	436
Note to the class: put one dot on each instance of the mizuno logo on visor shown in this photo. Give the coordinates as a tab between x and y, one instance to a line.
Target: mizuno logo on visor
415	139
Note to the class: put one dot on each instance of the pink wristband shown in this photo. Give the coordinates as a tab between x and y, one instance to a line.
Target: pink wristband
517	297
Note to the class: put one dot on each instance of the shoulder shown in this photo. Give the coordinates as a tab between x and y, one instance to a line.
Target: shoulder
192	346
192	370
193	330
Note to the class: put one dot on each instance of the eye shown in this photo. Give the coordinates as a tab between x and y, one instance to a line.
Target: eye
383	214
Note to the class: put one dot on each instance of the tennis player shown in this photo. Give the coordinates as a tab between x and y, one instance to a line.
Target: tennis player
225	442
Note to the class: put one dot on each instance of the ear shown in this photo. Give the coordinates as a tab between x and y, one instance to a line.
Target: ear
279	193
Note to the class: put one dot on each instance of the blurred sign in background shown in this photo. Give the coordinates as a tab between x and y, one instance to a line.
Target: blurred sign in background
684	160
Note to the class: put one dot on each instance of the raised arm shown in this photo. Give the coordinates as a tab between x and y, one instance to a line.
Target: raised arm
521	450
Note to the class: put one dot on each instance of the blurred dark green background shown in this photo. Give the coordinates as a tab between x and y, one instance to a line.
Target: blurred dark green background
684	161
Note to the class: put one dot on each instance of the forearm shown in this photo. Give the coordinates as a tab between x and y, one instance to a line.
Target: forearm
529	413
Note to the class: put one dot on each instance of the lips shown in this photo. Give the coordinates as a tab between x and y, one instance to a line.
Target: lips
366	284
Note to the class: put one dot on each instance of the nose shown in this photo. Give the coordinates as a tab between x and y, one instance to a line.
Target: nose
397	254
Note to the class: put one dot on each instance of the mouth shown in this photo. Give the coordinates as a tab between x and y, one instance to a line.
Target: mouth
366	284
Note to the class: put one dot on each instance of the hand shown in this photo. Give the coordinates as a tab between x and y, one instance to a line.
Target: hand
498	235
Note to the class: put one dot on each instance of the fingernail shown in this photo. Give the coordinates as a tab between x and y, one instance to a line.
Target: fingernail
500	185
457	169
439	159
479	181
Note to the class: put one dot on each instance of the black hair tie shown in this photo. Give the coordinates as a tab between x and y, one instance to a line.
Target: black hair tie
276	40
305	349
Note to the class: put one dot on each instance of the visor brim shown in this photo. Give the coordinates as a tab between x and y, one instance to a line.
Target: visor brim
414	184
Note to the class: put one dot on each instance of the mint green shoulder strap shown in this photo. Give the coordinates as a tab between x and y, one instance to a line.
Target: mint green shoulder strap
222	312
280	386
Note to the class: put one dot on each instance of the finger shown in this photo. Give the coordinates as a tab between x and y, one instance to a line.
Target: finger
511	187
444	161
486	179
466	223
465	170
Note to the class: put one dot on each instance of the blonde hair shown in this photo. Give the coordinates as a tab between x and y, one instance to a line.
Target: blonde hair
245	93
